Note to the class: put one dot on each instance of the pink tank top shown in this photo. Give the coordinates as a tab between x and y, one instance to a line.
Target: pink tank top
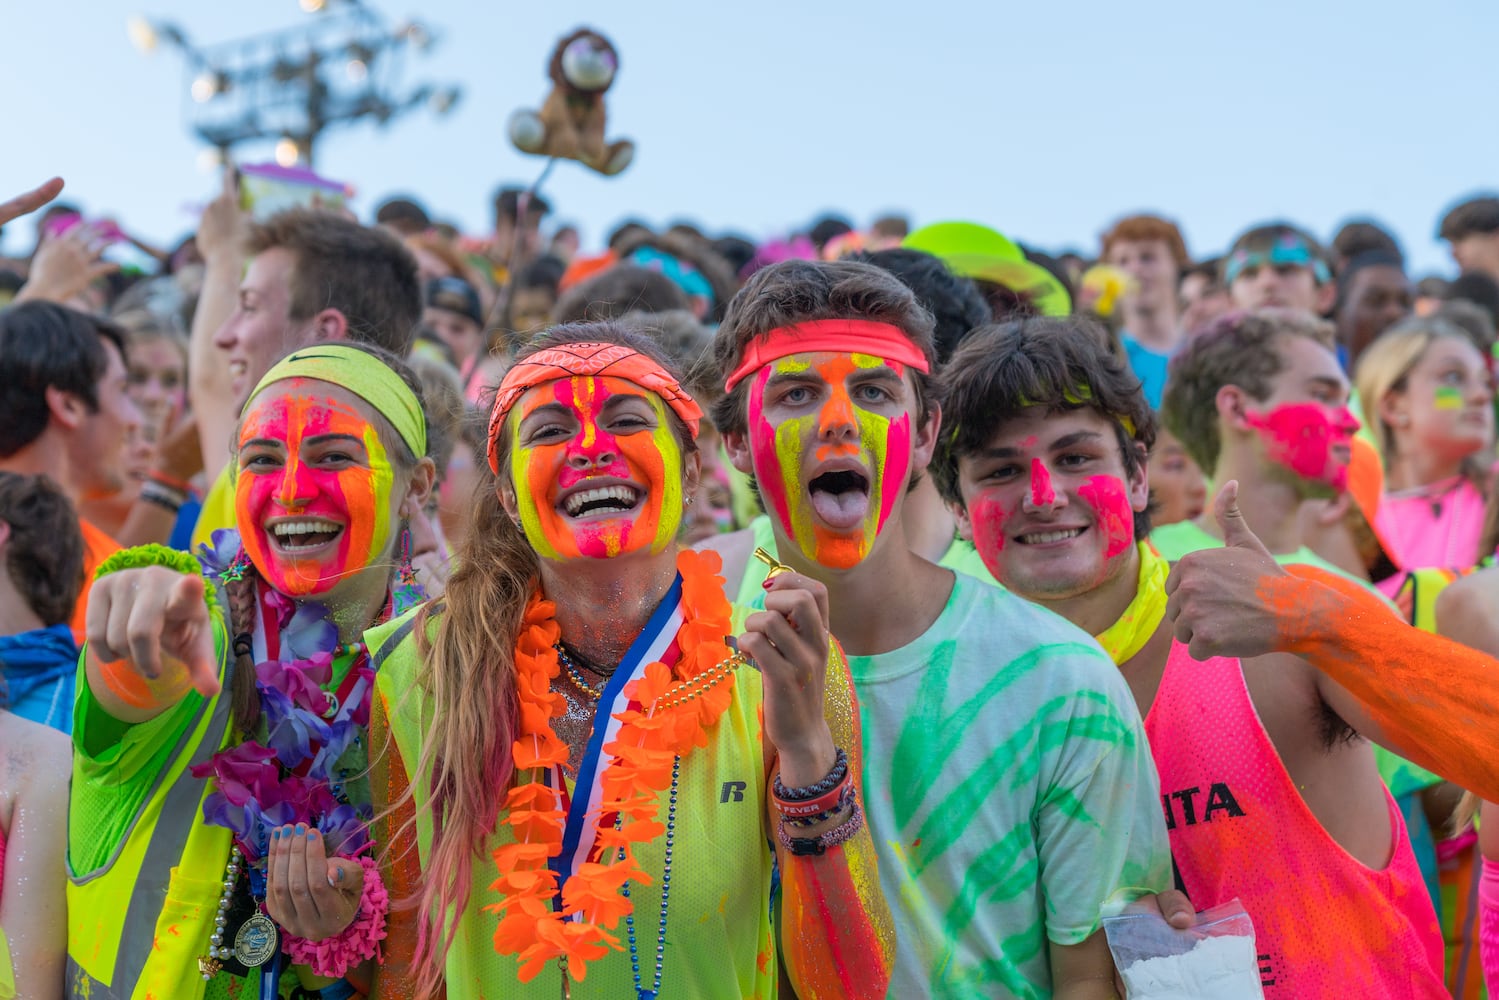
1438	526
1326	926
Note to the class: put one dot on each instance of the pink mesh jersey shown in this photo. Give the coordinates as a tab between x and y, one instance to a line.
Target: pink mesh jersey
1326	925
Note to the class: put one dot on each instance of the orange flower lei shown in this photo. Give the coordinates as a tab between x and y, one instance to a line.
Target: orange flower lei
675	715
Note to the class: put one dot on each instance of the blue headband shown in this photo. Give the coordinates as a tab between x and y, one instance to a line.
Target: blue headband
1288	249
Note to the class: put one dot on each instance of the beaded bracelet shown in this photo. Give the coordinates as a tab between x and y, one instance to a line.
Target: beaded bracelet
818	846
845	797
834	778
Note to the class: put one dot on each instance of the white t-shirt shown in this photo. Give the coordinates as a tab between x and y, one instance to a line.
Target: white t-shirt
1010	793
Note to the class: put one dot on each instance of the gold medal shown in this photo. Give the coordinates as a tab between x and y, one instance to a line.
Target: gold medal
256	942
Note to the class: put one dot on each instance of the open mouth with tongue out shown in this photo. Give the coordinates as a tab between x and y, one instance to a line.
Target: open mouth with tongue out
840	498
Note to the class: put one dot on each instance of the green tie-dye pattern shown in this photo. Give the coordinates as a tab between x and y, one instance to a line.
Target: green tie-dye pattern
928	739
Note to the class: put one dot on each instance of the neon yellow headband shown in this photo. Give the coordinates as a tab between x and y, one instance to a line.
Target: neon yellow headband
363	374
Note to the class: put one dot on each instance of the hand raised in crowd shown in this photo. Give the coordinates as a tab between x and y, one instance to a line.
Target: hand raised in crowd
1222	601
179	453
29	201
789	642
308	893
66	265
145	618
224	225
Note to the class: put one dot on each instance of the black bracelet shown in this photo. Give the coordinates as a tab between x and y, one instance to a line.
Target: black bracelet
835	776
818	846
161	498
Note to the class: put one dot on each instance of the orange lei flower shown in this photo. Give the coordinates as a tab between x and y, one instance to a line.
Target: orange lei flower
677	710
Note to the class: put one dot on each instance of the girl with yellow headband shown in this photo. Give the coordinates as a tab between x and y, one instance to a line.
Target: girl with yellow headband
592	753
218	842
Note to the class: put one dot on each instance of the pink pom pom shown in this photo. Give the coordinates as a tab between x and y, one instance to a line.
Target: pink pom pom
334	956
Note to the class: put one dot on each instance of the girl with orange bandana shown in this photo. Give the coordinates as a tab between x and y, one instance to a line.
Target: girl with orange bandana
586	765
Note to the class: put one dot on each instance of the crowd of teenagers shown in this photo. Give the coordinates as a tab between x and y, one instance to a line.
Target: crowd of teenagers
871	612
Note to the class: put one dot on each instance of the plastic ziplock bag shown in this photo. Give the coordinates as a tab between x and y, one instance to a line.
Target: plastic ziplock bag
1215	959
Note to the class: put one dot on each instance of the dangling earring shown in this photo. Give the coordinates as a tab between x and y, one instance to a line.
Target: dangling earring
408	592
236	569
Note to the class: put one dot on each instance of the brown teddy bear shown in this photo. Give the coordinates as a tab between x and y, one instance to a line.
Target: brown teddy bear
570	124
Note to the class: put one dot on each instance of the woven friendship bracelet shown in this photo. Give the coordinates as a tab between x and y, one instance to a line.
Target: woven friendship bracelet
834	778
818	846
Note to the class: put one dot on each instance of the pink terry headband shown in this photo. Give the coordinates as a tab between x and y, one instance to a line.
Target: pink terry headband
841	336
579	360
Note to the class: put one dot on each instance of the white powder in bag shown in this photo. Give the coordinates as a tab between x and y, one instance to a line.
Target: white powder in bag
1220	968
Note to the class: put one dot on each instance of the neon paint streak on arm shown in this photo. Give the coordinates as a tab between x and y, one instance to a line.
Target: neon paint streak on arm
1042	494
394	834
837	934
1436	700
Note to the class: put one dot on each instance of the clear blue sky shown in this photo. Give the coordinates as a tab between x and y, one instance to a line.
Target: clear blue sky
1043	120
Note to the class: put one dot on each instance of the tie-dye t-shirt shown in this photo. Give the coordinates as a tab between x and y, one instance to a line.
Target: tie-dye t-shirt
1010	793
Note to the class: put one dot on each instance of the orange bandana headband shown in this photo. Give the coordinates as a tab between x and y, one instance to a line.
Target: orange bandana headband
840	336
581	361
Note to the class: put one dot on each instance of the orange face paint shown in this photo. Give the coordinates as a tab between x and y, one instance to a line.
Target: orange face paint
844	433
569	446
313	490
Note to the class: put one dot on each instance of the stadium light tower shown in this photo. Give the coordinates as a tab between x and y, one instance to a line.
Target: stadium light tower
343	65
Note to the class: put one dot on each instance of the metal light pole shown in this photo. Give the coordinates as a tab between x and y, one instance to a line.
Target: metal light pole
343	65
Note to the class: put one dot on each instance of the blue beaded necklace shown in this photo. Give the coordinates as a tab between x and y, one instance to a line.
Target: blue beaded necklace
641	993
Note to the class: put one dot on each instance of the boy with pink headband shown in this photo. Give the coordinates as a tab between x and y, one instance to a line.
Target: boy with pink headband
1008	788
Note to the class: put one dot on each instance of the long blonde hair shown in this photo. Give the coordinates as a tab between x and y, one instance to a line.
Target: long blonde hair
467	673
1386	365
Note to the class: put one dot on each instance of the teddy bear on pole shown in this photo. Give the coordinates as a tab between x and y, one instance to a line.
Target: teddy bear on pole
572	120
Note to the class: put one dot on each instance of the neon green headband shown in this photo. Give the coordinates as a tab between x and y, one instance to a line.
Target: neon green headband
363	374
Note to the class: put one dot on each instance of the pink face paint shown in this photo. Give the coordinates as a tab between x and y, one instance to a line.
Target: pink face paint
1301	437
1109	500
990	519
1042	494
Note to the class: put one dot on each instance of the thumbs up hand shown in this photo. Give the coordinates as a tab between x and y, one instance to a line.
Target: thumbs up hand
1226	601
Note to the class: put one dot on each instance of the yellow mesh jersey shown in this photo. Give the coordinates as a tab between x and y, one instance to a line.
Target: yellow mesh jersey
718	941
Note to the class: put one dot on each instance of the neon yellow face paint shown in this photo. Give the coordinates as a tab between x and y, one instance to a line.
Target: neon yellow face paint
297	467
1449	397
580	450
840	436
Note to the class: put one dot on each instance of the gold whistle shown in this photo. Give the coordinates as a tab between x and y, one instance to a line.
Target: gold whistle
776	566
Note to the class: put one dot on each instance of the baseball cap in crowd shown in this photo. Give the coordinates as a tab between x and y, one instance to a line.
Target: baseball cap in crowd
975	251
455	295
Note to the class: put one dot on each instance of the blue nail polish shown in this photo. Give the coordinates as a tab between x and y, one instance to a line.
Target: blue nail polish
276	833
312	833
301	829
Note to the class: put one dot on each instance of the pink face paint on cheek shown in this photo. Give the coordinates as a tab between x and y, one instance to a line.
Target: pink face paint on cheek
897	466
989	519
1301	436
1042	494
767	463
1109	500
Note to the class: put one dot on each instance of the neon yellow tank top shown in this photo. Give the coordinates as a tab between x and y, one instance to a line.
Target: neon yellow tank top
718	941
